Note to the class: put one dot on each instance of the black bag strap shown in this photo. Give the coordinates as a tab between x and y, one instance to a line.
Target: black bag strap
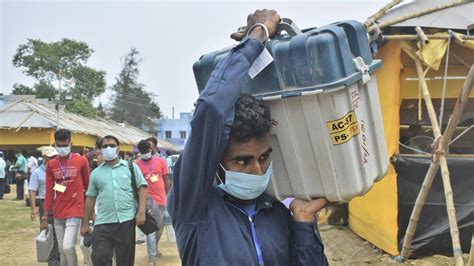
134	181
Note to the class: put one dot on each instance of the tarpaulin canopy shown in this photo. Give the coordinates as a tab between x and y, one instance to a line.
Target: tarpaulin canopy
457	17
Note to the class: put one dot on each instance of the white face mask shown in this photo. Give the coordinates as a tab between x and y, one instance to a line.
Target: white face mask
146	156
109	153
63	151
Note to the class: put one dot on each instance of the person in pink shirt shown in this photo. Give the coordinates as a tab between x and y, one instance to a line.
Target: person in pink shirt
155	171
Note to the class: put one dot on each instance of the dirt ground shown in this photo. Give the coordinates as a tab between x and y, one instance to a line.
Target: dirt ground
18	233
342	247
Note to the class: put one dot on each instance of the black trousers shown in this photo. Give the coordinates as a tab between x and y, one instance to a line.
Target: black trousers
118	237
2	187
20	190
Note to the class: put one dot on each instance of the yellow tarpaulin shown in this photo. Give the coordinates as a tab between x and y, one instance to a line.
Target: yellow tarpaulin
374	216
432	53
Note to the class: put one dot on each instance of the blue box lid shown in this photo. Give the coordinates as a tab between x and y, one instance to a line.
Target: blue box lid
318	59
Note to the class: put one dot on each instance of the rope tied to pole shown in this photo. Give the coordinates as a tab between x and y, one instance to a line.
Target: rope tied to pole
437	149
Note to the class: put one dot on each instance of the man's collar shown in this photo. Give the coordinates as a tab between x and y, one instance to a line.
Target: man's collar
263	201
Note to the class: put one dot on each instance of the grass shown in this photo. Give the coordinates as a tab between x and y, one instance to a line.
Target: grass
18	234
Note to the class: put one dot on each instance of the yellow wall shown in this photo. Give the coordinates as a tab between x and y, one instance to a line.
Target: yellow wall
374	215
26	137
43	137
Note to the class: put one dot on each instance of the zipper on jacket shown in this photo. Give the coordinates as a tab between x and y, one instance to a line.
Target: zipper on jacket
253	229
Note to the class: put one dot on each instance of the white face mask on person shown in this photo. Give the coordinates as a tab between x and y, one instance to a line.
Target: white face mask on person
63	151
109	153
245	186
146	156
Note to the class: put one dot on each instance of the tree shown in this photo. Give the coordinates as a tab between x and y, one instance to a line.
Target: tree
43	89
132	104
57	62
20	89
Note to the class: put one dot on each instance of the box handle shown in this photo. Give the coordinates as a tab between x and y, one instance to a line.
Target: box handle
285	24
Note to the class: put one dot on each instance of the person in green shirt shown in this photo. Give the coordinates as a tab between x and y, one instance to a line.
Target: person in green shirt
114	227
20	174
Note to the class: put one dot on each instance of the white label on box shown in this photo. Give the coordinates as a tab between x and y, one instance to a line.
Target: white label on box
262	61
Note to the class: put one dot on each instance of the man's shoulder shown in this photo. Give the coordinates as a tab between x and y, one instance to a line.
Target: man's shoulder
78	157
37	171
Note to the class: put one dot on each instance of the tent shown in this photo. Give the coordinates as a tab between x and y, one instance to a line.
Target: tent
398	34
28	122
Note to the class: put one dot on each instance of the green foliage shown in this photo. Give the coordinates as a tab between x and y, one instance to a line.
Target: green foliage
100	111
82	107
44	90
89	82
57	62
53	60
132	104
20	89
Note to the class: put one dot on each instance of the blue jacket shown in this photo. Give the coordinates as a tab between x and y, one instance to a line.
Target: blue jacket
210	228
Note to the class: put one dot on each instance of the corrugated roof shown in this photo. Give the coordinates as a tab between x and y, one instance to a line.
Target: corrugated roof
458	17
27	112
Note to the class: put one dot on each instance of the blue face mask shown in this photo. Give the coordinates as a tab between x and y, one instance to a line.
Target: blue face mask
245	186
109	153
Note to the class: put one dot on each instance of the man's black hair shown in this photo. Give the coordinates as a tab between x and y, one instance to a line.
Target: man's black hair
168	153
154	140
143	146
109	137
252	119
62	135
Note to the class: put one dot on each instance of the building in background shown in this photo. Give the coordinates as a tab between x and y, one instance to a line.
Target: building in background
175	131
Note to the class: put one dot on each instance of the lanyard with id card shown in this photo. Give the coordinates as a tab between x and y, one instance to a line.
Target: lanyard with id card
61	187
153	177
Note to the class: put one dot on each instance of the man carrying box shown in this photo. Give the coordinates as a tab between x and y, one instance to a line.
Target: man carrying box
220	211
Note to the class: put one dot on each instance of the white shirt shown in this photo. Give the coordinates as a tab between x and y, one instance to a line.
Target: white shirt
32	164
3	164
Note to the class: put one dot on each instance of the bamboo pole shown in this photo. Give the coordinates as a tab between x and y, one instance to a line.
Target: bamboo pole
421	35
434	166
471	255
413	37
381	12
456	37
414	15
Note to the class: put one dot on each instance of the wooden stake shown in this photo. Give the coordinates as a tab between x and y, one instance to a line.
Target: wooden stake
381	12
419	14
412	37
421	35
471	255
434	166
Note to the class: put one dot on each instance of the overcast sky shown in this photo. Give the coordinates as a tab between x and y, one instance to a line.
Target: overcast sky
170	36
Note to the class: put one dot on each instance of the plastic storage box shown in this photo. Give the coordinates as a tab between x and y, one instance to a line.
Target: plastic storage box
321	89
44	244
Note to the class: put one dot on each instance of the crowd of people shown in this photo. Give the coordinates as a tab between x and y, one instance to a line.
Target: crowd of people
217	201
68	192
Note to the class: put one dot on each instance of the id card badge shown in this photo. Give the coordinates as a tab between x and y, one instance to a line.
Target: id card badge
59	188
154	178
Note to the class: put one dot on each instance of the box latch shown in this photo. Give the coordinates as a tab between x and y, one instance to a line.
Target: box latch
362	68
